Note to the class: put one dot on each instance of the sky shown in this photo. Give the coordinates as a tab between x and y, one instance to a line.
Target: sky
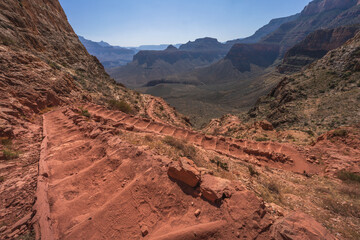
143	22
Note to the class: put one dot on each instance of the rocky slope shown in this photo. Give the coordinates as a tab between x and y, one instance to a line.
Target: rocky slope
108	55
43	65
315	46
323	96
318	14
273	25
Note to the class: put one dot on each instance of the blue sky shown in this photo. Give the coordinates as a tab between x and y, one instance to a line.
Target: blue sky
139	22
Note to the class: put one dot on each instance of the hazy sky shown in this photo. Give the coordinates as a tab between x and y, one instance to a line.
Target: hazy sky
138	22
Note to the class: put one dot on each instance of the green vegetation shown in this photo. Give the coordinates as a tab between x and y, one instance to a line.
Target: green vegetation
344	209
252	171
311	133
262	139
348	176
188	151
54	65
120	105
9	154
27	236
2	179
85	113
273	187
6	142
219	163
339	133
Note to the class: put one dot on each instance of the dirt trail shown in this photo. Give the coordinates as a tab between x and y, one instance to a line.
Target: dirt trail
165	108
100	187
276	155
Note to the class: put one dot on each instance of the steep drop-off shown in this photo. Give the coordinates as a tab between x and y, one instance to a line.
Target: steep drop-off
315	46
324	96
109	56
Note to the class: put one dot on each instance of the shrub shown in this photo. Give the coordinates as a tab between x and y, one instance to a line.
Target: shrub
339	133
273	187
85	113
252	171
219	163
348	176
54	66
149	138
344	209
2	179
262	139
6	141
353	191
188	151
120	105
311	133
9	154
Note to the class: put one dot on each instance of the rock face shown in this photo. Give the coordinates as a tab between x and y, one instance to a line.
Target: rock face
43	65
265	30
243	55
315	46
299	226
215	189
55	66
319	6
185	171
319	14
108	55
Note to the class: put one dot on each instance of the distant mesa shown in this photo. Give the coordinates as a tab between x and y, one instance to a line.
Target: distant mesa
202	44
171	48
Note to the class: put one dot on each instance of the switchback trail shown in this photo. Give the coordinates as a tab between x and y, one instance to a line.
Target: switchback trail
101	187
278	155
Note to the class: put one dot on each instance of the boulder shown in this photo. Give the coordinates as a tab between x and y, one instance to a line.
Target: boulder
214	189
185	171
299	226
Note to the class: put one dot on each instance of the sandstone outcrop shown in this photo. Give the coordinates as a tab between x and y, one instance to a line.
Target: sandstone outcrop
185	171
299	226
214	189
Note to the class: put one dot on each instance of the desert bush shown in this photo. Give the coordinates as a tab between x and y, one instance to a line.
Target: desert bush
54	65
219	163
310	132
347	176
10	154
149	138
262	139
344	209
339	133
188	151
120	105
351	191
273	187
85	113
6	141
252	171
